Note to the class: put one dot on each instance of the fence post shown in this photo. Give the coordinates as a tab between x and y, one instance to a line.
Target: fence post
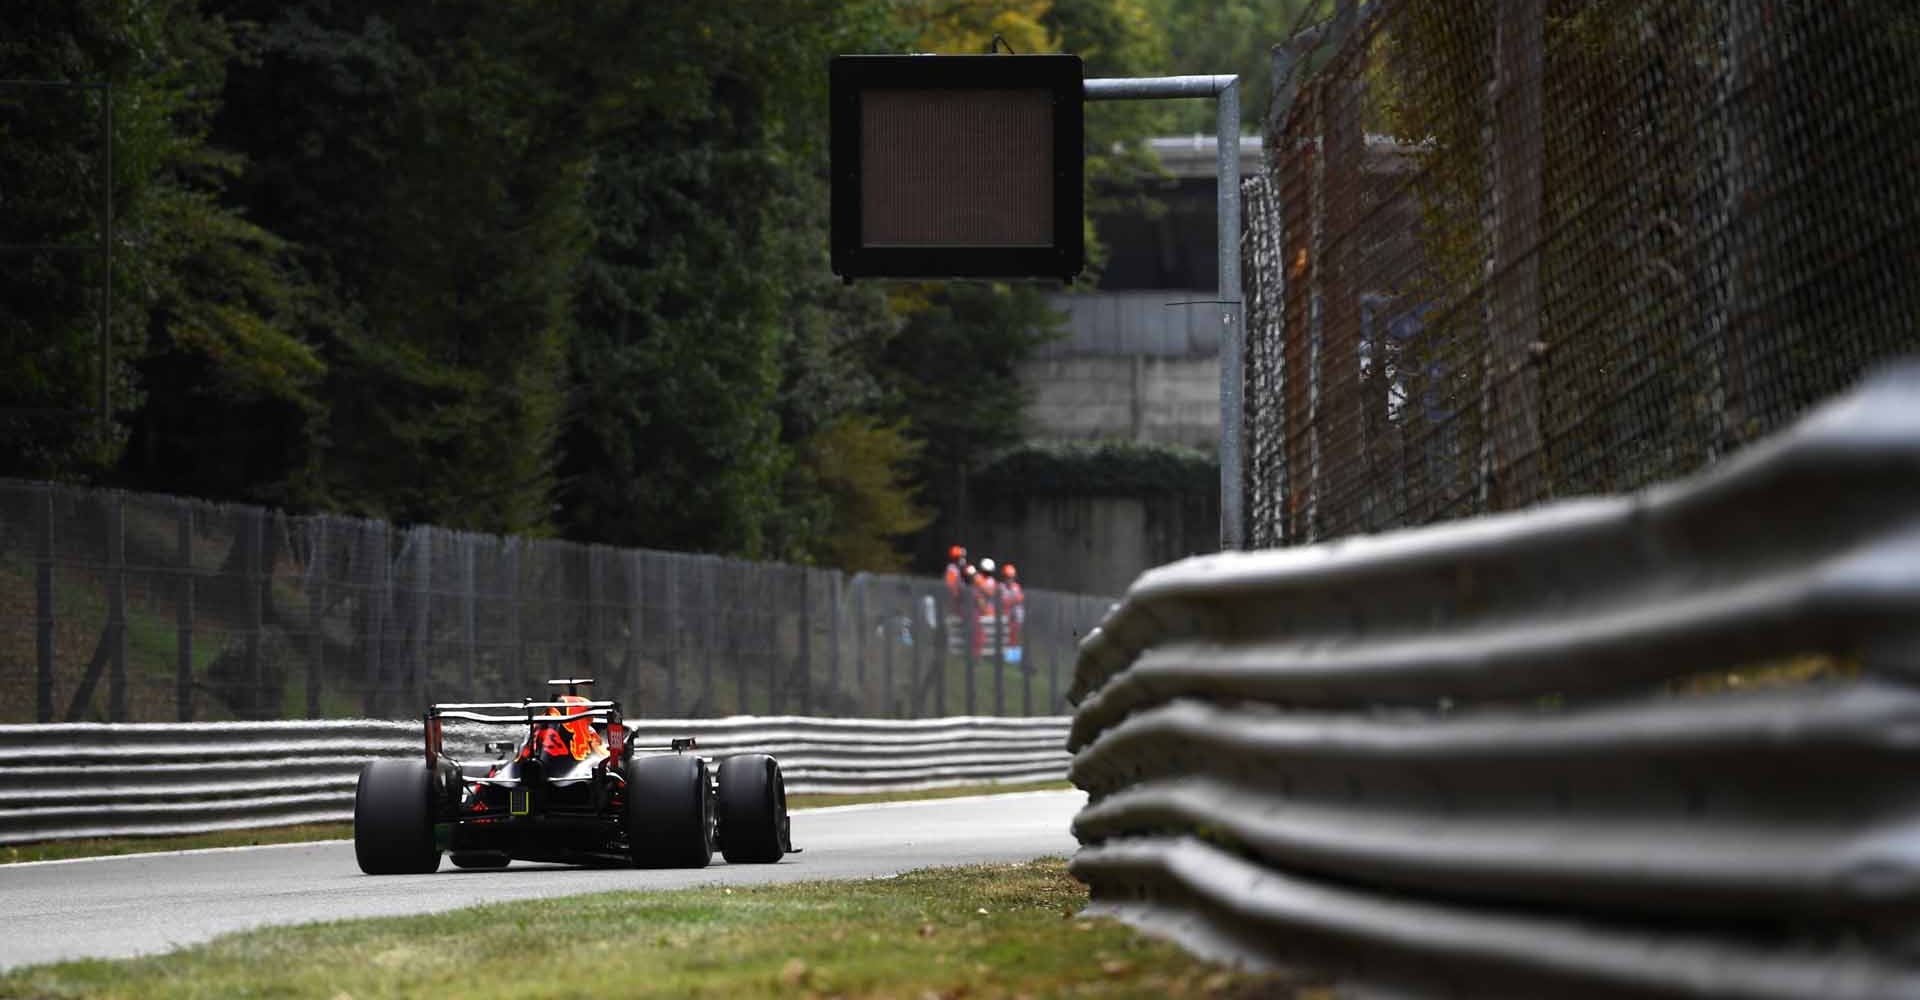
923	658
636	622
596	611
117	608
772	596
860	585
421	680
369	542
806	640
833	640
971	621
1053	657
1026	663
183	614
43	606
104	648
887	639
737	642
924	639
516	668
469	614
253	528
929	646
1511	310
710	617
942	660
1316	328
1728	320
671	615
999	651
316	609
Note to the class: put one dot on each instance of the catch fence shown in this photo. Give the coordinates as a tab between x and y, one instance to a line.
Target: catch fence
137	608
1505	251
1655	745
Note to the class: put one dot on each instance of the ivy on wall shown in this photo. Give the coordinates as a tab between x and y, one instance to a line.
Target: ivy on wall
1096	468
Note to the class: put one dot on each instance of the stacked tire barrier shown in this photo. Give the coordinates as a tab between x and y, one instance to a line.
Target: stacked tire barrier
1665	745
63	782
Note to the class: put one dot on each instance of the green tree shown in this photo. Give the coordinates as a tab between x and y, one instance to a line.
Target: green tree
672	441
858	467
849	492
203	301
1230	36
430	160
952	373
703	331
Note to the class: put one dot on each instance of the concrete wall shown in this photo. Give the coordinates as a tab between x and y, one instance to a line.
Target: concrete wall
1161	324
1092	545
1156	400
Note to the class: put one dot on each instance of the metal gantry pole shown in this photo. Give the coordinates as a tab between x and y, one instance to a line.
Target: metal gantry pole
1225	90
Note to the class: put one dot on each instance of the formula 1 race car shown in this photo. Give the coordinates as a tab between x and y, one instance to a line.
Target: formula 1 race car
572	790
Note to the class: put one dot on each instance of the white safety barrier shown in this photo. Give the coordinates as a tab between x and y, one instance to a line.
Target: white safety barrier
1517	756
61	782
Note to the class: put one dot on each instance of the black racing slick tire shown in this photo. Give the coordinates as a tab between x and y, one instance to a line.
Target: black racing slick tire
669	812
393	819
479	859
753	810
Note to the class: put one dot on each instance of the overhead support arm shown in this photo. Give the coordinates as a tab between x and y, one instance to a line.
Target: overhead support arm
1225	89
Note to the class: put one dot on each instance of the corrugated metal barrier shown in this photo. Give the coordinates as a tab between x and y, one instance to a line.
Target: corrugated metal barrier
61	782
1665	744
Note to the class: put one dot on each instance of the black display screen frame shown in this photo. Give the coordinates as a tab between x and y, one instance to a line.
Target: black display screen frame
1061	75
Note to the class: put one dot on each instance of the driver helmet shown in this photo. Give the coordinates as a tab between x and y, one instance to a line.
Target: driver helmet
582	739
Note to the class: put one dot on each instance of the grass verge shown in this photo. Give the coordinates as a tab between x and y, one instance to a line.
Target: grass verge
57	850
988	931
60	850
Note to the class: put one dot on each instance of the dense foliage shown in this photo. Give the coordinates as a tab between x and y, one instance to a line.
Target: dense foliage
1099	468
202	327
1231	36
503	265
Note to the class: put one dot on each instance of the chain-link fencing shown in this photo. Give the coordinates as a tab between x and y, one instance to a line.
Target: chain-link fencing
1511	250
128	607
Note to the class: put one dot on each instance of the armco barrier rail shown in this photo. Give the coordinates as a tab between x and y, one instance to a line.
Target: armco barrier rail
1519	756
90	780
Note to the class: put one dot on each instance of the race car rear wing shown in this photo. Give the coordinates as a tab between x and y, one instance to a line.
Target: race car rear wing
526	713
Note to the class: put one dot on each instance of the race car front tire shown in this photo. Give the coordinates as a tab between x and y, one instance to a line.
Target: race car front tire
669	812
753	810
393	819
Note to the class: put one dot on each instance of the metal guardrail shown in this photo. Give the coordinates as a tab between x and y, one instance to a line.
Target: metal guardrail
1516	755
62	782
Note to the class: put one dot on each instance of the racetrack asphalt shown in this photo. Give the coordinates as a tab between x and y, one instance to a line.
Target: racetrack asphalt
146	903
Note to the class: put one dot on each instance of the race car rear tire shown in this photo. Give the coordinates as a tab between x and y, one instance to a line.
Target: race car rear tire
669	812
393	819
753	810
480	859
